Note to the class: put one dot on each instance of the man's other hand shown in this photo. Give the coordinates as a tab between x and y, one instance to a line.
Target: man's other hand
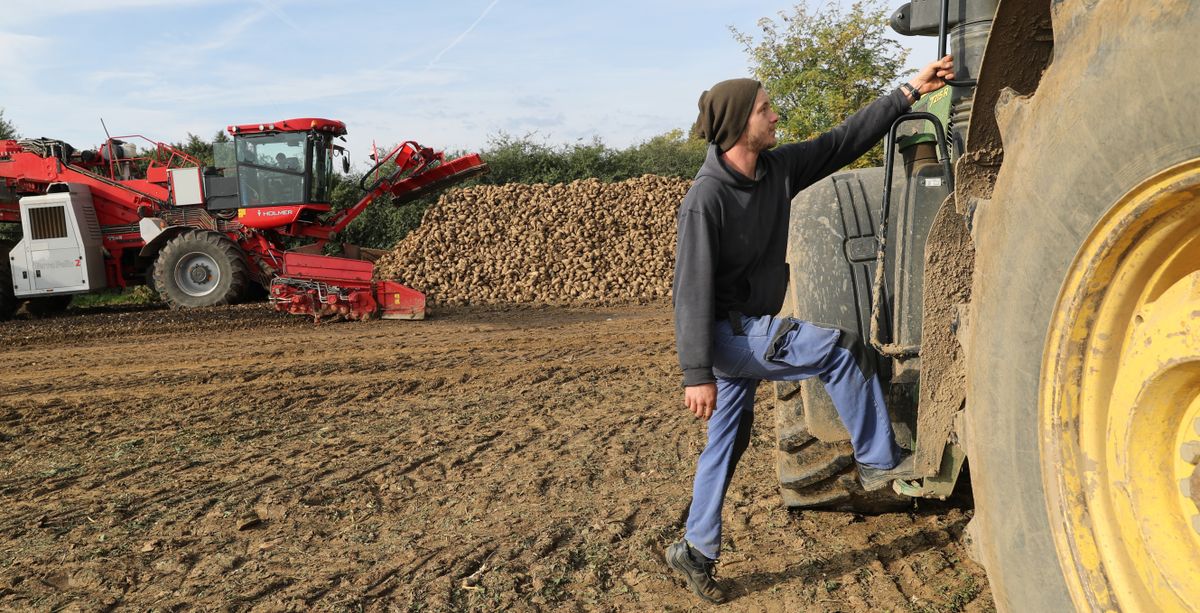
701	399
933	76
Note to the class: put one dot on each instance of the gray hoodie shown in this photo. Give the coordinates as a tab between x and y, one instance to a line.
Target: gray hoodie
733	229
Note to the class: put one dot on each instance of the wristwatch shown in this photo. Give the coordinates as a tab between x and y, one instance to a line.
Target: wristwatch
911	91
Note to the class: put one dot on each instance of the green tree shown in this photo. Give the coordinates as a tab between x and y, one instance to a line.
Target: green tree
9	232
527	160
7	130
201	149
673	154
383	223
820	66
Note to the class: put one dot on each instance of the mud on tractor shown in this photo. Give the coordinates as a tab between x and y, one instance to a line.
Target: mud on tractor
1027	267
126	214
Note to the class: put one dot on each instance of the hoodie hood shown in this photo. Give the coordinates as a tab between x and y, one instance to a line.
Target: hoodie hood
716	168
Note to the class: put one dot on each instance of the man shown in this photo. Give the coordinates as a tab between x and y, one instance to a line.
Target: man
730	278
281	160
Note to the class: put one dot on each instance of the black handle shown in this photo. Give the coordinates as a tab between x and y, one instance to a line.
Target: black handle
890	159
942	45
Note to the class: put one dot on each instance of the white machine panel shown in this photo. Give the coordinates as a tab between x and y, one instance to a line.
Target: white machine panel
187	186
61	250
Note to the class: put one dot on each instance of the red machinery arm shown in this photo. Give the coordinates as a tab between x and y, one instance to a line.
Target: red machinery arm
419	170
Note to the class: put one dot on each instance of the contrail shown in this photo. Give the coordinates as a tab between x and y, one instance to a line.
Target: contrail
461	36
270	6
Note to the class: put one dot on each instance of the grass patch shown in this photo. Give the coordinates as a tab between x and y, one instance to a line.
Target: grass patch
139	295
58	470
128	447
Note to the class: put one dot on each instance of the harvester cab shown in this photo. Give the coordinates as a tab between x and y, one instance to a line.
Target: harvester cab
273	174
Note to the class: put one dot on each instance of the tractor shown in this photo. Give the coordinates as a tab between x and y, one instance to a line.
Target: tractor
1026	266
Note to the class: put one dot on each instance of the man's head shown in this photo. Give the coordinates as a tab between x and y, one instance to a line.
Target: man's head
737	111
760	127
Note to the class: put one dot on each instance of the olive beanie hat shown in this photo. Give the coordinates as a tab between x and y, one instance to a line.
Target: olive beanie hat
725	109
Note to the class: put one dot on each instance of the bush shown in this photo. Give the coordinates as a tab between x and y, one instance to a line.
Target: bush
524	160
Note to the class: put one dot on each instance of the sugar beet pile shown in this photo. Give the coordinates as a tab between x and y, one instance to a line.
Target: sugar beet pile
585	242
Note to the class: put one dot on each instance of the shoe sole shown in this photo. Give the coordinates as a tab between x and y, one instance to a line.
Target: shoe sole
874	485
687	578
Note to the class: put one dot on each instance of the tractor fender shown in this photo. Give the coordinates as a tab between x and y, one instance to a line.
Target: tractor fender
831	251
156	236
1018	50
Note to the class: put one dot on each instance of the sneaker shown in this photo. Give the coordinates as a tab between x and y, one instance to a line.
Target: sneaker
878	478
697	569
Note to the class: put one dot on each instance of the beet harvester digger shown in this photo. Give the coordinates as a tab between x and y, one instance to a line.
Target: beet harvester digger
201	236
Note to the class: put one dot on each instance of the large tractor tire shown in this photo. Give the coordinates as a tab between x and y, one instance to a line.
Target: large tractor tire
200	269
816	474
1083	354
8	301
831	253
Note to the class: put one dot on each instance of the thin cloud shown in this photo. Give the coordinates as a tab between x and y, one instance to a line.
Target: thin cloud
22	59
460	38
15	13
250	87
14	45
102	77
231	31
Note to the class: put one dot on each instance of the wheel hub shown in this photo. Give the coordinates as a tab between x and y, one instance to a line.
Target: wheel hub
197	274
1120	402
200	274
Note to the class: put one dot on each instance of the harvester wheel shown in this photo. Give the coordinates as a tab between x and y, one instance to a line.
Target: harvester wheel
48	305
200	268
1083	355
814	474
8	301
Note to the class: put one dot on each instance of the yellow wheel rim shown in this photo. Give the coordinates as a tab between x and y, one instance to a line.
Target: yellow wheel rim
1120	400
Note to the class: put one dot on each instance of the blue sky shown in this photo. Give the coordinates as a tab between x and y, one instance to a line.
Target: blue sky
449	75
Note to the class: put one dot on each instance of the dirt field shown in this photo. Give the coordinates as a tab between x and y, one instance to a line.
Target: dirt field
524	459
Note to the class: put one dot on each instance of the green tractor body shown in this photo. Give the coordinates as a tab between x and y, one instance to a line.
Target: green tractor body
1021	285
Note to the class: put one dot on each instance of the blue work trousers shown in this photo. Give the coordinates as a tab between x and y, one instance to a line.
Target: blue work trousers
782	349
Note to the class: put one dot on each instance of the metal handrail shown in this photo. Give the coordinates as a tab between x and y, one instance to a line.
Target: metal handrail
942	24
890	349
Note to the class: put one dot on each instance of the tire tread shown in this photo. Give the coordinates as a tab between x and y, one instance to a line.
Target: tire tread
222	247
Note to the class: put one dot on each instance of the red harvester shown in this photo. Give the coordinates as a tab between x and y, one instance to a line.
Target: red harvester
204	236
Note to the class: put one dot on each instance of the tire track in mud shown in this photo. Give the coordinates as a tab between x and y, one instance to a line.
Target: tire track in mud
483	460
